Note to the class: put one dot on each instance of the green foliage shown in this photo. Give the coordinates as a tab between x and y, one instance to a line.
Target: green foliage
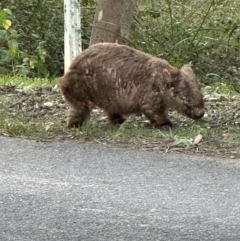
34	45
4	22
88	12
13	58
204	32
36	36
88	3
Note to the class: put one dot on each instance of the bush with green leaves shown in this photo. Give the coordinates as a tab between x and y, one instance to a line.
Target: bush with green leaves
13	59
37	34
206	33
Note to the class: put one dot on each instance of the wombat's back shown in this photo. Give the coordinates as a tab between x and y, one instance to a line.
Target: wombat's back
114	76
107	60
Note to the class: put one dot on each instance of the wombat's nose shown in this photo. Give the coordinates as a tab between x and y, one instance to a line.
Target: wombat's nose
200	114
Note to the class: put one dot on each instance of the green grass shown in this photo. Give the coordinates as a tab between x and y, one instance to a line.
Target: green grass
20	81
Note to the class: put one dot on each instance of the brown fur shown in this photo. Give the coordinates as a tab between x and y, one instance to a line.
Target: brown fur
123	81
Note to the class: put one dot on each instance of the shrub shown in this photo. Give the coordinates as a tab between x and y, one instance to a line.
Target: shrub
38	32
204	32
38	35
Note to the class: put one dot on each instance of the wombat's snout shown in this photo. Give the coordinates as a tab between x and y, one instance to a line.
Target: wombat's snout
196	113
200	114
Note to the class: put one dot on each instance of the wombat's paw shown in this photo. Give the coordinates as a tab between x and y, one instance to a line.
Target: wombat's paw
74	122
116	119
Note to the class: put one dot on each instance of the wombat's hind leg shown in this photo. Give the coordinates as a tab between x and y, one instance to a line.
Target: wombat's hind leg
78	114
115	119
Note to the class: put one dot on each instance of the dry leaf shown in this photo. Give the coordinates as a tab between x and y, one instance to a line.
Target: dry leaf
197	139
225	135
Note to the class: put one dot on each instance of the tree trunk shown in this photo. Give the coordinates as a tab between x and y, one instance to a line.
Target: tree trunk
112	22
72	31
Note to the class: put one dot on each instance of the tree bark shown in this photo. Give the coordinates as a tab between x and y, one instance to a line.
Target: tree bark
112	21
72	31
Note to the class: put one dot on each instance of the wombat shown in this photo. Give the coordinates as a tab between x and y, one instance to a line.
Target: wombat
122	81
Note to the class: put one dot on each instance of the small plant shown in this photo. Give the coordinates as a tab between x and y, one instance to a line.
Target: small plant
4	22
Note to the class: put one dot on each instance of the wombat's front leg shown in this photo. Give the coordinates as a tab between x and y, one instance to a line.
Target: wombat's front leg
78	113
158	118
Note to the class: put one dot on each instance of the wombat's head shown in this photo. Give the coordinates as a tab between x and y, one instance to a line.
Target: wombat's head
185	92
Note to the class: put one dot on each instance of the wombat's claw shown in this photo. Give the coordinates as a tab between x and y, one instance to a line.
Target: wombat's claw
73	124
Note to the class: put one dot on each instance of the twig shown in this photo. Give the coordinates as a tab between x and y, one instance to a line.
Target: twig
17	103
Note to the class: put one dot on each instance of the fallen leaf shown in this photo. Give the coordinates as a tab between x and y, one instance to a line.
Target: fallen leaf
48	104
197	139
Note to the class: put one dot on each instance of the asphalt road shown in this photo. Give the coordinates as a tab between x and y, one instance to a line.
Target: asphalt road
74	191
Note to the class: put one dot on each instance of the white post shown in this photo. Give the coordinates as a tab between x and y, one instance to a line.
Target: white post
72	31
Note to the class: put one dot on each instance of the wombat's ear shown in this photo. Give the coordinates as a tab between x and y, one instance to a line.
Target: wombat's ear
171	77
187	69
